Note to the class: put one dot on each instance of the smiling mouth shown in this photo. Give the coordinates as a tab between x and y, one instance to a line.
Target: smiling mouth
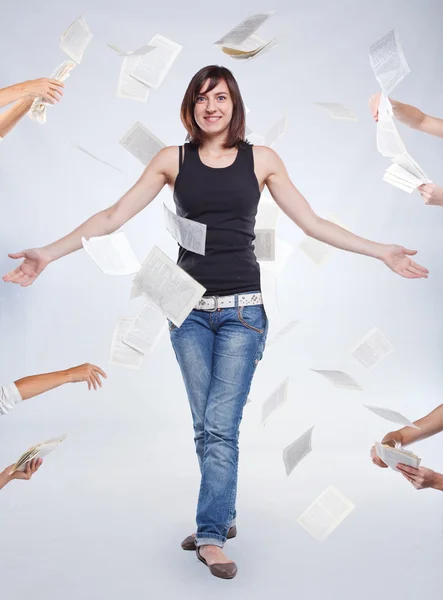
212	119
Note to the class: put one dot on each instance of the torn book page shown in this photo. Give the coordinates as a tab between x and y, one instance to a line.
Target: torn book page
191	235
241	32
97	158
276	132
372	348
275	400
406	161
267	213
388	61
112	254
394	456
38	108
128	87
281	333
326	513
75	39
337	111
141	143
339	379
391	415
121	354
139	52
38	451
152	68
264	244
146	331
168	288
283	252
250	48
389	142
296	452
316	250
268	286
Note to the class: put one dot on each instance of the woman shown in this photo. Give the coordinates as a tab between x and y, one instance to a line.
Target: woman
415	118
421	477
217	179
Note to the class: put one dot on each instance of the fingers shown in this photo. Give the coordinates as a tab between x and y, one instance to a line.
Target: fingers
92	381
409	252
17	255
100	371
57	83
379	463
417	272
419	267
407	470
96	378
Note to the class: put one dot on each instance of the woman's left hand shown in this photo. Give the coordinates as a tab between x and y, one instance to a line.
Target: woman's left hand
397	259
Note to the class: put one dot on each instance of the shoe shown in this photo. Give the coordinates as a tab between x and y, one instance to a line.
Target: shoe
189	542
222	570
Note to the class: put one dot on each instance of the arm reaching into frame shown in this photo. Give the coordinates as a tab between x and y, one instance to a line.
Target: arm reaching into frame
31	467
49	89
296	207
409	115
156	175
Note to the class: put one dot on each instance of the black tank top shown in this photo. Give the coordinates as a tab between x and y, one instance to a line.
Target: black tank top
225	200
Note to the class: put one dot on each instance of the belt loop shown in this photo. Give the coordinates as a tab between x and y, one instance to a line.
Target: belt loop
236	300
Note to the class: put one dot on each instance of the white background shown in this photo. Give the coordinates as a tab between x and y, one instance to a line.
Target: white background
105	515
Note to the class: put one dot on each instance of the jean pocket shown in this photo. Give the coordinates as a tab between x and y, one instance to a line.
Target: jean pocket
252	317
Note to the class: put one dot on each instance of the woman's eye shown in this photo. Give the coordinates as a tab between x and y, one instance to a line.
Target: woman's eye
200	99
222	98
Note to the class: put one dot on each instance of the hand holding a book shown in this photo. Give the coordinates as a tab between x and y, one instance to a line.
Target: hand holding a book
432	194
422	478
31	467
86	372
390	439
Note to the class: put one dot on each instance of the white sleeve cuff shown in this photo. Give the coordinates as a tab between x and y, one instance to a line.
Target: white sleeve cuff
9	397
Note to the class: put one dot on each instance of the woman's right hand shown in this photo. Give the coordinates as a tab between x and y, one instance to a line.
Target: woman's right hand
49	89
27	272
390	439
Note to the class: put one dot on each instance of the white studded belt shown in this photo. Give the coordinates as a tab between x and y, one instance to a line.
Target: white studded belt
212	303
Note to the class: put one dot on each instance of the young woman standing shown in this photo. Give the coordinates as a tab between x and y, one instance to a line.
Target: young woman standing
217	179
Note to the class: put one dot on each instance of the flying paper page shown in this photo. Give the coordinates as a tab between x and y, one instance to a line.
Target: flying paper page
38	451
75	39
391	415
152	68
295	452
121	354
264	244
389	142
146	331
241	32
141	143
275	400
394	456
250	48
276	132
128	87
388	61
337	111
326	513
191	235
97	158
139	52
283	251
38	108
168	288
339	379
112	254
372	348
280	334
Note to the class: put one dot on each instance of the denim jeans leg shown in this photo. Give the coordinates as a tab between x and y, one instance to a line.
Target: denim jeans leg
237	350
193	344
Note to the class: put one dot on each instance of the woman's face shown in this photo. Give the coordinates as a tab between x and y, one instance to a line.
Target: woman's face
213	110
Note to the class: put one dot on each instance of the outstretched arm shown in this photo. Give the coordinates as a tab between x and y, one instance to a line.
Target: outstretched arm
410	115
296	207
151	182
10	117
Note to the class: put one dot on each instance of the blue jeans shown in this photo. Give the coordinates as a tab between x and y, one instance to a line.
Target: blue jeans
218	353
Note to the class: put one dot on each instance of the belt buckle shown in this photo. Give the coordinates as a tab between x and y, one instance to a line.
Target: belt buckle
215	304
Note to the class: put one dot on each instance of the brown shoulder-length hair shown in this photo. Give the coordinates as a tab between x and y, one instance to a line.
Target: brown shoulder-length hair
237	125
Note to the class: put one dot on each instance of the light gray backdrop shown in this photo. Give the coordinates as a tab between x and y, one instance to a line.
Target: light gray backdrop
105	515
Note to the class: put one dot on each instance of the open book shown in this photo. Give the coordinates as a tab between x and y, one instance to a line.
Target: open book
37	451
394	456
